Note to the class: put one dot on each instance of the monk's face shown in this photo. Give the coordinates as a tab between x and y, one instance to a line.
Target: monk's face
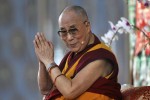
73	31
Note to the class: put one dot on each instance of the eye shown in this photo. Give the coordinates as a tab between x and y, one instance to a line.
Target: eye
62	33
73	31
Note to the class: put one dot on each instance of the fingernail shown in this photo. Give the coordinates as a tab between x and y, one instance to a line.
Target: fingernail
36	36
38	33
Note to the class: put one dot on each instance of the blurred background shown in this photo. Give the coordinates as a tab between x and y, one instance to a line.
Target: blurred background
20	20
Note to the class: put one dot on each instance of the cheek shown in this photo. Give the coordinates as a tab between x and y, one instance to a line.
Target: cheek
82	38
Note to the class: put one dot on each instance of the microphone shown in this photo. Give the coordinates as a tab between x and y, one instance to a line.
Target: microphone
82	42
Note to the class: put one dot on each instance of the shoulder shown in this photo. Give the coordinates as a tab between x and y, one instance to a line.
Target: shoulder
98	54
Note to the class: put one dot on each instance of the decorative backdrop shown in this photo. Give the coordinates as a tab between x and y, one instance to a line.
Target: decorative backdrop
139	15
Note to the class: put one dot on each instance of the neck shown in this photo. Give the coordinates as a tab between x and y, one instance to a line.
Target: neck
91	39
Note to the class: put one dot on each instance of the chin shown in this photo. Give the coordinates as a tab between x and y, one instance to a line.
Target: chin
74	49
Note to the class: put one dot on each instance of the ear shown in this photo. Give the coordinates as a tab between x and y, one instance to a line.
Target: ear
88	26
87	23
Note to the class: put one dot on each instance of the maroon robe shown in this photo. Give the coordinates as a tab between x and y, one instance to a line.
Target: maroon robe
108	87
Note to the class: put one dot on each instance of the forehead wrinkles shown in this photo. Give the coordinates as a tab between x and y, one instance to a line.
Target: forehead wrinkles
69	19
69	27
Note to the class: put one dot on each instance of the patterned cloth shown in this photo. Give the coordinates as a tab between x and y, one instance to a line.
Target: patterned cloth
136	93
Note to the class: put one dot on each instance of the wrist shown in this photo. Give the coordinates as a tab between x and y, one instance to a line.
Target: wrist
50	65
47	62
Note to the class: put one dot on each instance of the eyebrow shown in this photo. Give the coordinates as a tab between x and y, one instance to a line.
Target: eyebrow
72	26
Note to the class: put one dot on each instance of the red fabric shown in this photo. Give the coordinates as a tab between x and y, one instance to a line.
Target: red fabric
108	87
137	93
142	19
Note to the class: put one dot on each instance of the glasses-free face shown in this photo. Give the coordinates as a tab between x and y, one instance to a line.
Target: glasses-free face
73	31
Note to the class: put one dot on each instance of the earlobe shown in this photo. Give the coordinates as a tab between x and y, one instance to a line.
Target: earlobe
88	26
87	23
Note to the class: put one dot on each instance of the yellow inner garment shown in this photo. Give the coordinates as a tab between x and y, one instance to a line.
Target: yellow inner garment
70	73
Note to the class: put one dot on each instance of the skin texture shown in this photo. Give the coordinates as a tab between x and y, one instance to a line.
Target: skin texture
44	50
66	22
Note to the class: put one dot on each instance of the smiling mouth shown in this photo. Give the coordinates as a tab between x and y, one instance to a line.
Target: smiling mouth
72	45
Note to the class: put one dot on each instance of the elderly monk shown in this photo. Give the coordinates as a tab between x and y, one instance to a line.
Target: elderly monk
87	72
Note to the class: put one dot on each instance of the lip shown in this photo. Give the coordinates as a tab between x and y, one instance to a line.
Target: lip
72	45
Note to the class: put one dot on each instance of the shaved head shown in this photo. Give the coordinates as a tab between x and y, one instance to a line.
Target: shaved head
75	26
77	10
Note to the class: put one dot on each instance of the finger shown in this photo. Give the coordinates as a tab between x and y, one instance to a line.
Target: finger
35	44
36	48
43	37
40	39
50	44
37	41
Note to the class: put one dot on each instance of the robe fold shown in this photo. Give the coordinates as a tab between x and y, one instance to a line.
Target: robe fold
104	88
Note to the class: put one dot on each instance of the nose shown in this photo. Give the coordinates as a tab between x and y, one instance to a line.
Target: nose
69	36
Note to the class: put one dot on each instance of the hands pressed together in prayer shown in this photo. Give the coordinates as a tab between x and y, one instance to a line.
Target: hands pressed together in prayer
44	49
